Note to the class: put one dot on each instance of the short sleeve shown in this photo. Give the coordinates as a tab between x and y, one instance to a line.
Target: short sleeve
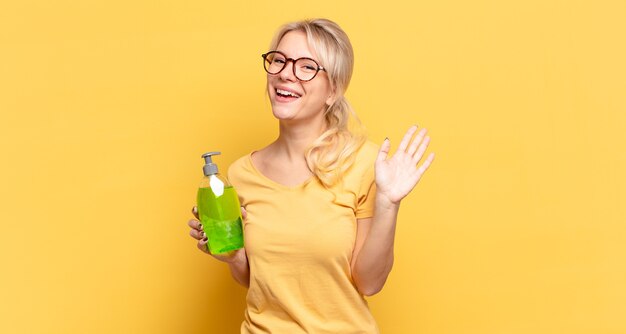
367	195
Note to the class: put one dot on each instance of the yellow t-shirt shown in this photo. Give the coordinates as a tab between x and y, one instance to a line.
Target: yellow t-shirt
299	242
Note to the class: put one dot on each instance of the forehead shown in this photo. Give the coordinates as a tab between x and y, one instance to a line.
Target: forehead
296	45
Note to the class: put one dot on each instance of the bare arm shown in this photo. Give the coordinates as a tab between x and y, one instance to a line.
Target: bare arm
239	268
373	252
372	258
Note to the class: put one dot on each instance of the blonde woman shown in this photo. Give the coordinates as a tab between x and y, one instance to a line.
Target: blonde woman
320	203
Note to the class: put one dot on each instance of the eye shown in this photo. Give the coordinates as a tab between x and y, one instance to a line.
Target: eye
307	65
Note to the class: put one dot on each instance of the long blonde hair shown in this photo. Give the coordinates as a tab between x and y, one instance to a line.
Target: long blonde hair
332	153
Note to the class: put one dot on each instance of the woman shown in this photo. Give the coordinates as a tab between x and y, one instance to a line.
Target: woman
320	203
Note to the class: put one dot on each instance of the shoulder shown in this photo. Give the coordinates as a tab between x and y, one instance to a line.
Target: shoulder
362	168
239	167
368	152
240	162
365	157
359	180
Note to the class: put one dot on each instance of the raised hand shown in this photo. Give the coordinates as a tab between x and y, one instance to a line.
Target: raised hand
398	175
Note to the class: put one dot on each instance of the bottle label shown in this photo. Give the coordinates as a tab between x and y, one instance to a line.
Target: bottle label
216	185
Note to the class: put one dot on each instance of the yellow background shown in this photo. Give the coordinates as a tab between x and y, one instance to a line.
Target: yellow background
106	107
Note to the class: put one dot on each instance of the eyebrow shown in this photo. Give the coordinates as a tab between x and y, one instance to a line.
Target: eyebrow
285	53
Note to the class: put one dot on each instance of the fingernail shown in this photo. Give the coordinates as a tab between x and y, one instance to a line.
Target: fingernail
194	210
199	225
386	138
205	239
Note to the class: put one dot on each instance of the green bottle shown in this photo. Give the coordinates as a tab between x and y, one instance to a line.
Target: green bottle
219	209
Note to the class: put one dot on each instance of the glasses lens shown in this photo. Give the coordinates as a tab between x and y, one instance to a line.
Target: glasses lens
306	69
274	62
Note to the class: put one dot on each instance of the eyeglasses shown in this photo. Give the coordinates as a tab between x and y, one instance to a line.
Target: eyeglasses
305	69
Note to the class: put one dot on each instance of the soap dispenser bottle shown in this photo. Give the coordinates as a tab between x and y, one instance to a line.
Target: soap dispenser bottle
219	209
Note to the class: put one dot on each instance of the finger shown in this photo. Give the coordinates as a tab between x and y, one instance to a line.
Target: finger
194	210
198	235
203	245
426	164
384	150
195	224
406	139
416	141
420	151
244	213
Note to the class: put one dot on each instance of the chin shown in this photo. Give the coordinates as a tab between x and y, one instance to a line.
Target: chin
283	113
285	110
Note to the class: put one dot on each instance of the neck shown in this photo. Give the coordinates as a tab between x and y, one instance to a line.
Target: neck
295	138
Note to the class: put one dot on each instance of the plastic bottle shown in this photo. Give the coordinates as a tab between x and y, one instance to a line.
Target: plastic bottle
219	209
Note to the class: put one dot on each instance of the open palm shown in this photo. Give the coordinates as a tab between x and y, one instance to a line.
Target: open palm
398	175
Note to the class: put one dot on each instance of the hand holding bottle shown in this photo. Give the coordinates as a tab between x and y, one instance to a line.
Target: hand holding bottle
197	233
219	210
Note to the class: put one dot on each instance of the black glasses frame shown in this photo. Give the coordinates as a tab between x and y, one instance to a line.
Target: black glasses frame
293	67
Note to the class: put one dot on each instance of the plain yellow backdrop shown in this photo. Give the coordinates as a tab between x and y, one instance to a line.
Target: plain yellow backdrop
106	107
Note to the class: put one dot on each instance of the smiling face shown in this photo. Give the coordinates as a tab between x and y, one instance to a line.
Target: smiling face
291	99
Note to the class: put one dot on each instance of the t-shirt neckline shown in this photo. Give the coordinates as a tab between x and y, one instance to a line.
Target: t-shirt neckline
274	183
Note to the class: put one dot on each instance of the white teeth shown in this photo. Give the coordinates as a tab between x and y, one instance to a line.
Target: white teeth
285	92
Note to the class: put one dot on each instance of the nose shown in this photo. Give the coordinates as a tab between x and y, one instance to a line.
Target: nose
287	73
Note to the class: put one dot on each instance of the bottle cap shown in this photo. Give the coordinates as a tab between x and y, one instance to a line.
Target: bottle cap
209	167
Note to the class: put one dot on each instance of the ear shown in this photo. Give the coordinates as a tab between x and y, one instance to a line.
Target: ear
331	98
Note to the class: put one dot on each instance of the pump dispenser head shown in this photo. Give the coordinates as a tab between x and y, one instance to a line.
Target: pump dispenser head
209	167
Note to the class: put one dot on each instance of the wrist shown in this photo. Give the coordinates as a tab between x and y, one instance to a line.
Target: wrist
383	203
238	258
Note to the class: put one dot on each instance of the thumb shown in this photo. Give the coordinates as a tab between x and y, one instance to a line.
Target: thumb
384	151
